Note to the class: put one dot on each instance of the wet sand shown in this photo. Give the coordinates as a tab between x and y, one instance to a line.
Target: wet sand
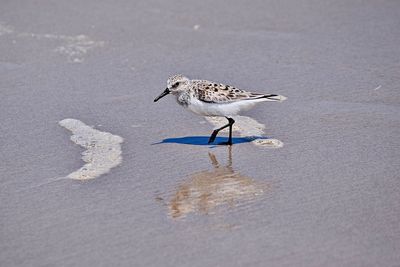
328	197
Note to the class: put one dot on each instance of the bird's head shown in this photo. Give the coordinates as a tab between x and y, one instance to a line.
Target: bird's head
175	84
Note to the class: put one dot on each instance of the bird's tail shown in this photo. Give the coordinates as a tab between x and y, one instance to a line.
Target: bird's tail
272	97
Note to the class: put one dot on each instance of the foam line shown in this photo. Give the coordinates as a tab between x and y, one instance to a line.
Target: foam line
73	47
103	149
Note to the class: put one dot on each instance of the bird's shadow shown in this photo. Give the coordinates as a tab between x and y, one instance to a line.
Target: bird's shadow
203	140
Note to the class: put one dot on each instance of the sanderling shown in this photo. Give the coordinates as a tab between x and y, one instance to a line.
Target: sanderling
214	99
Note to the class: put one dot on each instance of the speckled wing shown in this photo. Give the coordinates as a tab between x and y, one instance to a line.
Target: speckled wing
210	92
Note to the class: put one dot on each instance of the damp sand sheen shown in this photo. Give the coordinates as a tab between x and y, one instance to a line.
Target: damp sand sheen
204	191
103	149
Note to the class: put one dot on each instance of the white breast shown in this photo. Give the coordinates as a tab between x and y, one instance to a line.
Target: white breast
214	109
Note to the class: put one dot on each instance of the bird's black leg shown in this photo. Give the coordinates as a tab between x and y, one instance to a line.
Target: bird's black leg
231	122
216	131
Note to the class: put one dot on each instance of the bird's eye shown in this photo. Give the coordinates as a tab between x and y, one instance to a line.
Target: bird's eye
175	85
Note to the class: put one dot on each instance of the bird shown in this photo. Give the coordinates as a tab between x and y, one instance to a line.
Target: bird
207	98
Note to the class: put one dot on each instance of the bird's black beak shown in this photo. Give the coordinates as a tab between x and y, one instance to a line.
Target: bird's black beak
166	92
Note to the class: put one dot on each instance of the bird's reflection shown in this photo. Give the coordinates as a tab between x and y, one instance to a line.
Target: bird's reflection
205	190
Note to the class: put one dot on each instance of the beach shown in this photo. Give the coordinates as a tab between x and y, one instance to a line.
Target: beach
325	192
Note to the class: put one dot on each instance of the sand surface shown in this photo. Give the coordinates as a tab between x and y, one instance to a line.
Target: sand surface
328	197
